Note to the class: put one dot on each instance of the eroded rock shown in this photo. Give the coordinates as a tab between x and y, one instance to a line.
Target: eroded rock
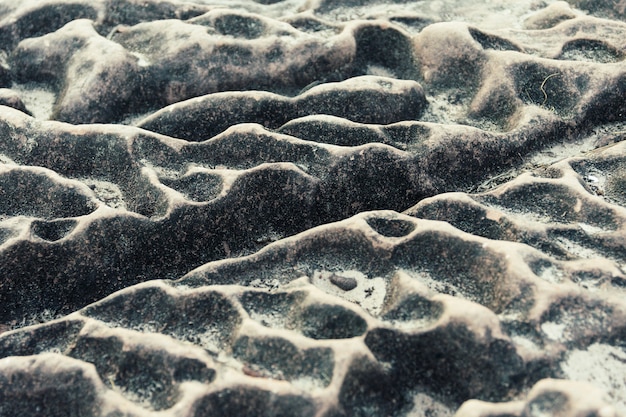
322	208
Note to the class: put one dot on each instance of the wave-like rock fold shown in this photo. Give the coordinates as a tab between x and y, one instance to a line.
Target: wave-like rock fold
312	208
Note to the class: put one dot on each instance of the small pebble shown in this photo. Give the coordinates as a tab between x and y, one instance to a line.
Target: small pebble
345	283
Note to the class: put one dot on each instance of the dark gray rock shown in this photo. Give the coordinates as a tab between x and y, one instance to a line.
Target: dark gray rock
324	208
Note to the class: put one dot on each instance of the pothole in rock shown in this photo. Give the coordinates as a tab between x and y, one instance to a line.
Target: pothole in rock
53	230
326	321
590	50
573	320
107	192
522	333
391	227
368	293
278	358
144	378
547	271
439	286
413	312
196	186
203	318
271	309
604	178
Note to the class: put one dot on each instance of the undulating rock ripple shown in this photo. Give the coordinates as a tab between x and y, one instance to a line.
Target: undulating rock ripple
313	208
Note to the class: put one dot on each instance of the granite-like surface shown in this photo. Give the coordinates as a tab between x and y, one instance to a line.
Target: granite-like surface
312	208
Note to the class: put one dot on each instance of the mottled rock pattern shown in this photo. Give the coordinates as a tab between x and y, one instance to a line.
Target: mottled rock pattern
312	208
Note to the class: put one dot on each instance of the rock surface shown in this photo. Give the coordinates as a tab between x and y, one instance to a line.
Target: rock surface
312	208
